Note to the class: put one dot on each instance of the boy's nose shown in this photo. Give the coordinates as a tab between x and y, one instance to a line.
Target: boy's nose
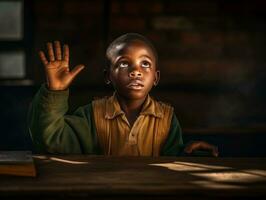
135	73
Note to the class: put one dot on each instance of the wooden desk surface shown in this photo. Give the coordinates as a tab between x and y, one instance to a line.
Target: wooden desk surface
172	177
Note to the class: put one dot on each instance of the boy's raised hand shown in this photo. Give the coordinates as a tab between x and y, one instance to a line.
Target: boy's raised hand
56	66
201	145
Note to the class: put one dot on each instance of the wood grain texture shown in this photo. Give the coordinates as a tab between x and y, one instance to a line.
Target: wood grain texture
169	177
18	169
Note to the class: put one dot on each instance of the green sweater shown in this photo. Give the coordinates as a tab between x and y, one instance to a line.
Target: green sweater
53	131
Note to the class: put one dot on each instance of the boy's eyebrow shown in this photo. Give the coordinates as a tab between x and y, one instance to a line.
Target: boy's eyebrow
120	57
123	56
146	56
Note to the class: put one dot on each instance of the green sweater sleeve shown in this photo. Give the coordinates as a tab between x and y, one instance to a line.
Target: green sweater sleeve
55	132
174	144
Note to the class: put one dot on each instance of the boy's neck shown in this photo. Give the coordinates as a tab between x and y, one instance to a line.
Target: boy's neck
131	107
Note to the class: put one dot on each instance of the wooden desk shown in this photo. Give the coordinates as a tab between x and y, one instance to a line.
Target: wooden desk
98	177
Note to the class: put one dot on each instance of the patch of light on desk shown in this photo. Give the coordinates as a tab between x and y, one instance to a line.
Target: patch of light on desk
60	160
12	65
255	171
217	185
187	166
232	176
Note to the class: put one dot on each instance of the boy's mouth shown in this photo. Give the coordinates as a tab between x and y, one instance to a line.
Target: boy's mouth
135	85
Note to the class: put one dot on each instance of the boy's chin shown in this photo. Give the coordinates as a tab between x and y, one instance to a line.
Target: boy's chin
135	95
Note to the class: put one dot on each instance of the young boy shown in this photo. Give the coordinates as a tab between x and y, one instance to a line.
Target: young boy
129	123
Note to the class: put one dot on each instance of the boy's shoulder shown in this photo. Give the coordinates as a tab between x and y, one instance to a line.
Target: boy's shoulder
162	106
101	99
105	98
111	97
110	104
161	103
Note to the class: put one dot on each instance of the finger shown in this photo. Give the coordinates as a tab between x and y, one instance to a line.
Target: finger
74	72
58	53
188	149
50	51
191	147
207	146
213	149
215	152
66	53
43	58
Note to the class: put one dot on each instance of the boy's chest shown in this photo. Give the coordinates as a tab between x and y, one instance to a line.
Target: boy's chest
131	119
144	138
137	139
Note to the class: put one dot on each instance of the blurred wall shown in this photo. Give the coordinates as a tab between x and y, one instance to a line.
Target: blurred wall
211	56
210	52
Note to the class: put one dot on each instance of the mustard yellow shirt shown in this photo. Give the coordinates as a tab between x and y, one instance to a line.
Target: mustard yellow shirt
145	137
53	131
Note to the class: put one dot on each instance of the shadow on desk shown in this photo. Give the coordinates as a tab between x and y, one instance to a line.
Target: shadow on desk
99	177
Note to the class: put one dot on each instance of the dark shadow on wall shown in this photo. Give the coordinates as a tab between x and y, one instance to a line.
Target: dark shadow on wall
14	103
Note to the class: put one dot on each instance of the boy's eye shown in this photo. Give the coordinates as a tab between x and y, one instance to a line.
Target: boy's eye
123	64
145	64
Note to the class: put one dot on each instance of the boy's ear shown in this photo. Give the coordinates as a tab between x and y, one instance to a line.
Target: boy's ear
106	74
157	78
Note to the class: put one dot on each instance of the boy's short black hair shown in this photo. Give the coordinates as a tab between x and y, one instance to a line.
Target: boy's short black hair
126	38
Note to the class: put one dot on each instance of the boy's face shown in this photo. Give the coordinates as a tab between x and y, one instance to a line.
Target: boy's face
133	70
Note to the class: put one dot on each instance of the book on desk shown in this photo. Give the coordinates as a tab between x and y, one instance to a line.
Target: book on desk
17	163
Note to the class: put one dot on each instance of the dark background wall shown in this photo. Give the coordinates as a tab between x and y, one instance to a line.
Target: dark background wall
211	55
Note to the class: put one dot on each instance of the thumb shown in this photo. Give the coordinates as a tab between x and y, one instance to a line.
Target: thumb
215	151
190	147
74	72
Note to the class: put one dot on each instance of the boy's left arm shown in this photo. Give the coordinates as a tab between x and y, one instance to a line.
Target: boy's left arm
196	147
174	144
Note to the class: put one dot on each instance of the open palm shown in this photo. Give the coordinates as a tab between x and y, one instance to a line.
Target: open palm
57	70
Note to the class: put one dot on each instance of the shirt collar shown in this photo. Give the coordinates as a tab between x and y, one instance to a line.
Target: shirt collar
150	107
